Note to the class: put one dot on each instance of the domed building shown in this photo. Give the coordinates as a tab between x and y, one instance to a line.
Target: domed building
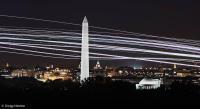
149	83
98	70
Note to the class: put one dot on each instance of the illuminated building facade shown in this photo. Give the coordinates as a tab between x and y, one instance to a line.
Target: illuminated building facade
98	66
58	73
22	73
98	71
148	83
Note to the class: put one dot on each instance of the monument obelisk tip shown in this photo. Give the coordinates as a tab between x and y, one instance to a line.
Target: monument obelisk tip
85	20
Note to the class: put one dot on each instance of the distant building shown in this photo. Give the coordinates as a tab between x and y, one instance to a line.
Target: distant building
125	71
98	71
148	83
113	74
108	71
174	66
57	73
98	66
22	73
7	65
188	74
53	77
5	73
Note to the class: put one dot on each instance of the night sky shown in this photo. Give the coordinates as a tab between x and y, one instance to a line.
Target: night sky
170	18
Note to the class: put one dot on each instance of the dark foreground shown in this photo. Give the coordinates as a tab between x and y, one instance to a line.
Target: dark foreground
32	93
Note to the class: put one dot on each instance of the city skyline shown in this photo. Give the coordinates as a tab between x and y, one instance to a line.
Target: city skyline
99	52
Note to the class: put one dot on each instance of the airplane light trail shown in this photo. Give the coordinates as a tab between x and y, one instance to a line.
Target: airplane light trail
54	49
44	47
119	57
115	37
142	59
139	43
111	48
128	42
102	28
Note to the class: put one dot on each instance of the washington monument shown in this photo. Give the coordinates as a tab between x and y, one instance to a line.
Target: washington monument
84	51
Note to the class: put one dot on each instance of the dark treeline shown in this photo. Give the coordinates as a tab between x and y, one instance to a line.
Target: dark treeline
30	91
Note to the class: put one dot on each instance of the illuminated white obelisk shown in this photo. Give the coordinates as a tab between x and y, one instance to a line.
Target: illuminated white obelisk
85	51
